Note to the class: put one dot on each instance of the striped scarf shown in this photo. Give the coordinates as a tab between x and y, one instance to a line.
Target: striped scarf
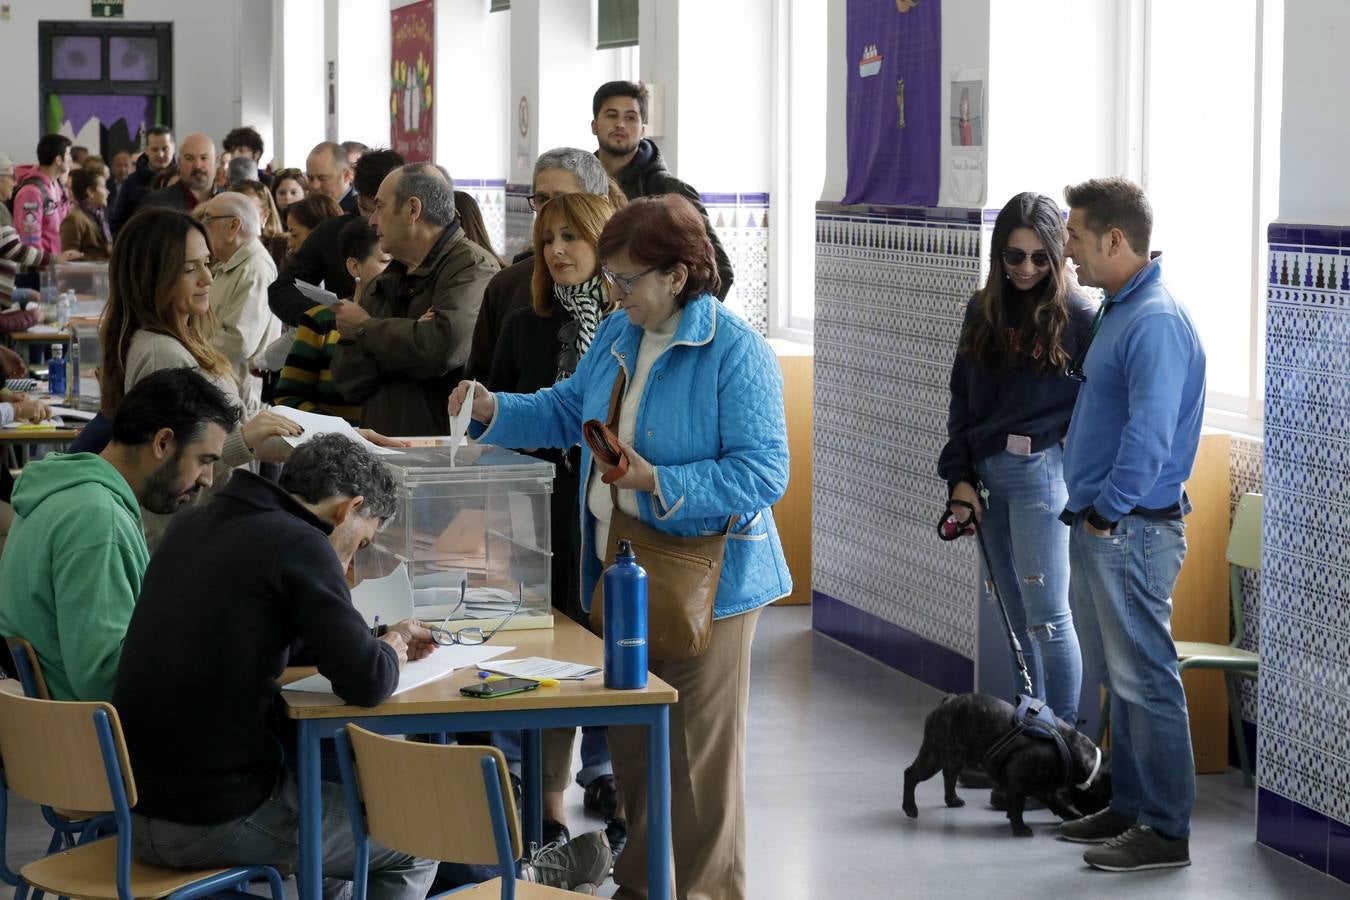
585	303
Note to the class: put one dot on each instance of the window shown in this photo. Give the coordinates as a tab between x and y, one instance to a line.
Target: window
105	82
616	24
1210	164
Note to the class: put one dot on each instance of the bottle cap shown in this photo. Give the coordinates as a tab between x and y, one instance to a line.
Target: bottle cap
625	550
58	348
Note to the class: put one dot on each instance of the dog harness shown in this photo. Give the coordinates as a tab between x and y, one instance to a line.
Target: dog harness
1034	719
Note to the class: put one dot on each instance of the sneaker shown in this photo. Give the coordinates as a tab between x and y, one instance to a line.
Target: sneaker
1139	848
582	864
602	796
1096	828
616	830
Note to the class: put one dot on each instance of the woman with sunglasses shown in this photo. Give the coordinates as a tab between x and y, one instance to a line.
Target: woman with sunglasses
1010	407
540	346
701	426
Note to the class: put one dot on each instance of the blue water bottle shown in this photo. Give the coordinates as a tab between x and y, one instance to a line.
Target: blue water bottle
56	372
625	599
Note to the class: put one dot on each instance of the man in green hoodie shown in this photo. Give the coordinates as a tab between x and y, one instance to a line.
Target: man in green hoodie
73	564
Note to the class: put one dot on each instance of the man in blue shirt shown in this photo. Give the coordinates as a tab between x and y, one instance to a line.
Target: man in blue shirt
1130	446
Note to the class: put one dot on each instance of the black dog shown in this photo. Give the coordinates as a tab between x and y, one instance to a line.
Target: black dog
962	729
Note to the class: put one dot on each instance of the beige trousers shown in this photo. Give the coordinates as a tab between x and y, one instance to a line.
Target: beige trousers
707	771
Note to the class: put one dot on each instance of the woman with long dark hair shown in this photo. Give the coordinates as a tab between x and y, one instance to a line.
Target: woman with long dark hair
1012	397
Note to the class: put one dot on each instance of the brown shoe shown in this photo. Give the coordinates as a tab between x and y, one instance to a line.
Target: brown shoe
1097	828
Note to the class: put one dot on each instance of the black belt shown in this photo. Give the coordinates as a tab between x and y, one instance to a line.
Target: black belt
1176	511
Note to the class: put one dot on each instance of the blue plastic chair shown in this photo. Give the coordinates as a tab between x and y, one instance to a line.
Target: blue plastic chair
73	756
435	801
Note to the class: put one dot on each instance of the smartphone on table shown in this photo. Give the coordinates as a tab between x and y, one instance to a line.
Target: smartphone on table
486	690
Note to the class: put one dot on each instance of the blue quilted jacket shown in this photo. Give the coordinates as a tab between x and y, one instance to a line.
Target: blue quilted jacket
711	423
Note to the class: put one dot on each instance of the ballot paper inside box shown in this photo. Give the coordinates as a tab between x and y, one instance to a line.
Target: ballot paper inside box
477	517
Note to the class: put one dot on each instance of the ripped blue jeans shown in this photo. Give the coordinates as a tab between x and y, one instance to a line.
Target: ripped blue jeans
1029	550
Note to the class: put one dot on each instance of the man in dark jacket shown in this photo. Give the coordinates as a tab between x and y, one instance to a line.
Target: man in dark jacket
319	261
404	347
563	170
619	125
218	613
158	156
196	176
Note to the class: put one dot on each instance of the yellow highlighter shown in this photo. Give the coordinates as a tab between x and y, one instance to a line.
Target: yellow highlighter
543	682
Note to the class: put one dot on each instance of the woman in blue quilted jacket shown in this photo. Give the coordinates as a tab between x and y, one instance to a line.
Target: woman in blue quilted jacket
701	424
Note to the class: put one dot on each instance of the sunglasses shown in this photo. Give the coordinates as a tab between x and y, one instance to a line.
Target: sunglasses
625	283
1014	257
472	635
567	349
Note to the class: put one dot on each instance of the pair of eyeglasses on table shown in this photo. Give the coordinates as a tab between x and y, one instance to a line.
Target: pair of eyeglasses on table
471	635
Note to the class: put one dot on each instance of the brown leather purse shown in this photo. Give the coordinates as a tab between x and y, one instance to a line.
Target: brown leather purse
682	572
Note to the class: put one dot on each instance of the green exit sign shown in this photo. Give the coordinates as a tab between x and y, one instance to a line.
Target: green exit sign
106	9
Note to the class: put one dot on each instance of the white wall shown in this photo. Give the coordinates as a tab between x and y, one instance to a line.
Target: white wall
836	115
1314	177
206	64
301	116
364	60
472	50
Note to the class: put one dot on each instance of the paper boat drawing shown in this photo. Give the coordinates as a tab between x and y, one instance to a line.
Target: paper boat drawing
870	64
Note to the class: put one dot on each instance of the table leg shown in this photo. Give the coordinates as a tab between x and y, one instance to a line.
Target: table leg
309	873
658	805
532	784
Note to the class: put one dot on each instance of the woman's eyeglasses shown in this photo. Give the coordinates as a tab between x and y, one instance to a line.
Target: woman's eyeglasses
625	283
1015	257
471	635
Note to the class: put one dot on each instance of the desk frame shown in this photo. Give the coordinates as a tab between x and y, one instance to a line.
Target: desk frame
311	732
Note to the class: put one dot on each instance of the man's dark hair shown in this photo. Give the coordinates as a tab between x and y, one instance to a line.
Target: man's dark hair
1114	203
157	130
245	138
372	168
357	240
181	400
333	465
635	89
81	182
51	148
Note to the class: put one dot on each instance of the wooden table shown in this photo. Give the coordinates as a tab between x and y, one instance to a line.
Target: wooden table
39	337
439	707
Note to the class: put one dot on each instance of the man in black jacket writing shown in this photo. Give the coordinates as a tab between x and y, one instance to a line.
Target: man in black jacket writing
234	584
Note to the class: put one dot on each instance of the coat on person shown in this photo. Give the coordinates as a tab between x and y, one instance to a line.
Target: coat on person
81	231
40	205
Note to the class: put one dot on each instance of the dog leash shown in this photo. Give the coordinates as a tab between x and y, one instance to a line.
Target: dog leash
949	529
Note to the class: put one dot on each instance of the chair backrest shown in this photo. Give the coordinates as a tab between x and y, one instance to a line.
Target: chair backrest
1244	538
52	755
431	800
24	655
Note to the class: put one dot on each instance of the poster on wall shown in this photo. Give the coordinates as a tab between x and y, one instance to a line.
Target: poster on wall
895	113
963	180
411	115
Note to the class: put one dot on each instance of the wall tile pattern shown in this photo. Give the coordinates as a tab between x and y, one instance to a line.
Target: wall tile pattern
1244	462
491	196
742	225
891	288
1304	726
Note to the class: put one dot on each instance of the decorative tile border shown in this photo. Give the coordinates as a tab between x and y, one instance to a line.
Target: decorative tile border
891	289
1244	463
1304	633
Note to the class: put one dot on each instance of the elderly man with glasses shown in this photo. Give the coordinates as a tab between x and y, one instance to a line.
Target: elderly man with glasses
243	270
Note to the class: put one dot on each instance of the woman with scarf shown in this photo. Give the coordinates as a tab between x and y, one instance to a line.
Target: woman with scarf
540	346
85	227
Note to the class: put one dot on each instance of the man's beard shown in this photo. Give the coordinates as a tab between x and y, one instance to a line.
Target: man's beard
162	494
619	149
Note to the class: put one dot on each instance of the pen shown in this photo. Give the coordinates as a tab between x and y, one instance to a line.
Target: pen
375	629
543	682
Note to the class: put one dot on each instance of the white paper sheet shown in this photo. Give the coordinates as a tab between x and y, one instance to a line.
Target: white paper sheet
419	672
316	424
543	667
316	293
390	597
459	424
73	415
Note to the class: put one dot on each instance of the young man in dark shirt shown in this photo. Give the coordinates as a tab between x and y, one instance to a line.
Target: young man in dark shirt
233	585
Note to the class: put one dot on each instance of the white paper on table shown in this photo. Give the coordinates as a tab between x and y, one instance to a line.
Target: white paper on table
317	423
389	598
419	672
459	424
44	329
316	293
543	667
65	412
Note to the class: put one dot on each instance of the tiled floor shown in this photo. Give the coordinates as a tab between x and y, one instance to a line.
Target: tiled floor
831	733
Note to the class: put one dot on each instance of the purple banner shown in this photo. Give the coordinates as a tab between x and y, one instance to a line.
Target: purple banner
895	114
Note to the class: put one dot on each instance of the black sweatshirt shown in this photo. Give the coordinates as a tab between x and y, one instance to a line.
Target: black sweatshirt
232	585
987	405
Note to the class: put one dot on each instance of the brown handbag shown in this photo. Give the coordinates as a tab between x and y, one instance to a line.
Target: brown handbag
682	572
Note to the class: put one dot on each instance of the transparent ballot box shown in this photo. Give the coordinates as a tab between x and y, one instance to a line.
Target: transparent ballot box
89	281
473	529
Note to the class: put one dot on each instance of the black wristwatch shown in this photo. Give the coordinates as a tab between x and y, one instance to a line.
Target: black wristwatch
1097	521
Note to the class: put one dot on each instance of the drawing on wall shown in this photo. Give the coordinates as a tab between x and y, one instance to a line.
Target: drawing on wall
967	113
412	118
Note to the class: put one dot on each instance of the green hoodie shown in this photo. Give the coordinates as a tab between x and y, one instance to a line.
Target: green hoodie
72	570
